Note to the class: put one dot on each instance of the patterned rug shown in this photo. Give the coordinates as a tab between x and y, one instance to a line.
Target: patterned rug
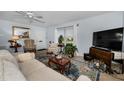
81	67
72	74
76	69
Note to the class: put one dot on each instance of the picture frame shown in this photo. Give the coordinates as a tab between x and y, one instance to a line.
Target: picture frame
21	32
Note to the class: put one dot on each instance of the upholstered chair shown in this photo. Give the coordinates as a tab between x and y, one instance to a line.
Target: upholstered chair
29	45
53	48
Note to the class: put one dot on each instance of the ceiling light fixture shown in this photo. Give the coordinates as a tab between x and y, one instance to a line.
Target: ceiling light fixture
31	16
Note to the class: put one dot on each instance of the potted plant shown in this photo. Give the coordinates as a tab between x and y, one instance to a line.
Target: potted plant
69	40
70	49
60	39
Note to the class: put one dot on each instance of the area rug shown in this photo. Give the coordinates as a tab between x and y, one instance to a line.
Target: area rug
77	68
81	67
73	73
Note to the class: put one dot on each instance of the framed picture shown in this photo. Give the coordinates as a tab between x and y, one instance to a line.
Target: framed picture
21	32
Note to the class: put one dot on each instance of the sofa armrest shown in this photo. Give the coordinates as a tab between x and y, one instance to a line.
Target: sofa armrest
83	78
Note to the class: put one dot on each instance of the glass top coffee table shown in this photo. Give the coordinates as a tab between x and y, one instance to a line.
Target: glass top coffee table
62	64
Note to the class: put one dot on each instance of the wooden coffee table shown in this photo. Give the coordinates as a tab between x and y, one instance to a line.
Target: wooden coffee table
63	64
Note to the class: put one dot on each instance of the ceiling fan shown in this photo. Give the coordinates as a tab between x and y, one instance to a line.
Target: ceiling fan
31	16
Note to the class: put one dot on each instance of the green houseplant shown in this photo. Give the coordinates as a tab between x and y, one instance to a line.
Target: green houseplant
60	39
70	49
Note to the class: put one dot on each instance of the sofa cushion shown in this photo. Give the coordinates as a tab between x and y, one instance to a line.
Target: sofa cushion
4	51
1	71
11	72
29	66
6	55
46	74
25	56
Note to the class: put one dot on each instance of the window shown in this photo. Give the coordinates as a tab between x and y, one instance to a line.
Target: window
67	32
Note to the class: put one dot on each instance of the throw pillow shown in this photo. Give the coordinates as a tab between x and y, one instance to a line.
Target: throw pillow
26	56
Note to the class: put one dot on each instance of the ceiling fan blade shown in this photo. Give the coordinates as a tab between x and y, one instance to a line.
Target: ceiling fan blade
39	17
39	20
30	16
21	12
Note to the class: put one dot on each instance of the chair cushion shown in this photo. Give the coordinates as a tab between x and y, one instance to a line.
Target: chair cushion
53	48
54	45
29	43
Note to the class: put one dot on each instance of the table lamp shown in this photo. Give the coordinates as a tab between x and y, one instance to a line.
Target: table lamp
15	38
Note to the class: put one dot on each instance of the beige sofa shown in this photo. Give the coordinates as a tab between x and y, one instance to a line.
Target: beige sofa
9	68
28	68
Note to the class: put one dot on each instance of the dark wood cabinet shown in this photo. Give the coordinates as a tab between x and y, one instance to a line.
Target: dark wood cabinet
106	56
102	55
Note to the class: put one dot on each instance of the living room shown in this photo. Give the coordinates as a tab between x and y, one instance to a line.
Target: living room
28	62
81	30
47	28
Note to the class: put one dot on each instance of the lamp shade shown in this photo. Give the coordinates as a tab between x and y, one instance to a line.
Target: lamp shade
15	37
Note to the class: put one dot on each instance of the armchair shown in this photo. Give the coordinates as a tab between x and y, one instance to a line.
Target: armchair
53	48
29	46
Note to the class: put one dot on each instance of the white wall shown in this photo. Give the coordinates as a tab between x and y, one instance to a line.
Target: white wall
90	25
36	33
50	34
39	34
103	22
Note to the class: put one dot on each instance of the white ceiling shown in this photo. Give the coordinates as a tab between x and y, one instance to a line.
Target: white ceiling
50	17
